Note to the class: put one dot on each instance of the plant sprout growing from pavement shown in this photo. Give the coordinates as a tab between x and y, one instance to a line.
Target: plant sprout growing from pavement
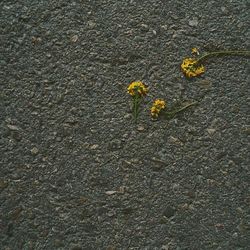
137	90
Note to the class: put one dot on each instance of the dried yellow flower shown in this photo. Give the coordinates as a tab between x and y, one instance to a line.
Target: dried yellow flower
191	67
137	88
161	104
158	105
195	51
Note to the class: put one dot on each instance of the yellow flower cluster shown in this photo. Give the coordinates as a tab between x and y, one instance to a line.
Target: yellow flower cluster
191	68
158	105
139	88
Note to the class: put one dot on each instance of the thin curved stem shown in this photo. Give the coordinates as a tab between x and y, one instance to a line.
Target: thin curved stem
185	107
136	105
226	52
173	113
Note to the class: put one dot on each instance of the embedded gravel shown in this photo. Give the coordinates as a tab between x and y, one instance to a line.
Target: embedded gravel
76	172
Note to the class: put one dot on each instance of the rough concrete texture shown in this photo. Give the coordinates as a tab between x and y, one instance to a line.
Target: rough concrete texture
77	172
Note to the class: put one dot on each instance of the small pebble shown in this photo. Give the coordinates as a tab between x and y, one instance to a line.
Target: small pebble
140	128
127	116
144	27
193	22
91	24
176	187
175	140
34	151
110	192
235	235
223	9
13	127
36	40
211	131
94	146
74	38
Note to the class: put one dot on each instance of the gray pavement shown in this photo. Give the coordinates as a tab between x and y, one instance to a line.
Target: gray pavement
77	172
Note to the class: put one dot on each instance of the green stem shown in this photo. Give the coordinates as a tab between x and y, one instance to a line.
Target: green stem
226	52
185	107
173	113
136	106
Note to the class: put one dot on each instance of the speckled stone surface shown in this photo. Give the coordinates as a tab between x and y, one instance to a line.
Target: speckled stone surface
77	172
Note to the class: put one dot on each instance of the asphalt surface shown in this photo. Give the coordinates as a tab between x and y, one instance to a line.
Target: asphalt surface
77	172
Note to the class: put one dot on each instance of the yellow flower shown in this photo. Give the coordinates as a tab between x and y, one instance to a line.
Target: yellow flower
195	51
191	68
161	104
158	105
137	88
154	111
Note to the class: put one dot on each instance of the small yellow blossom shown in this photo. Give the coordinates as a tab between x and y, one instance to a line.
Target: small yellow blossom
195	51
158	105
137	88
191	68
161	104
